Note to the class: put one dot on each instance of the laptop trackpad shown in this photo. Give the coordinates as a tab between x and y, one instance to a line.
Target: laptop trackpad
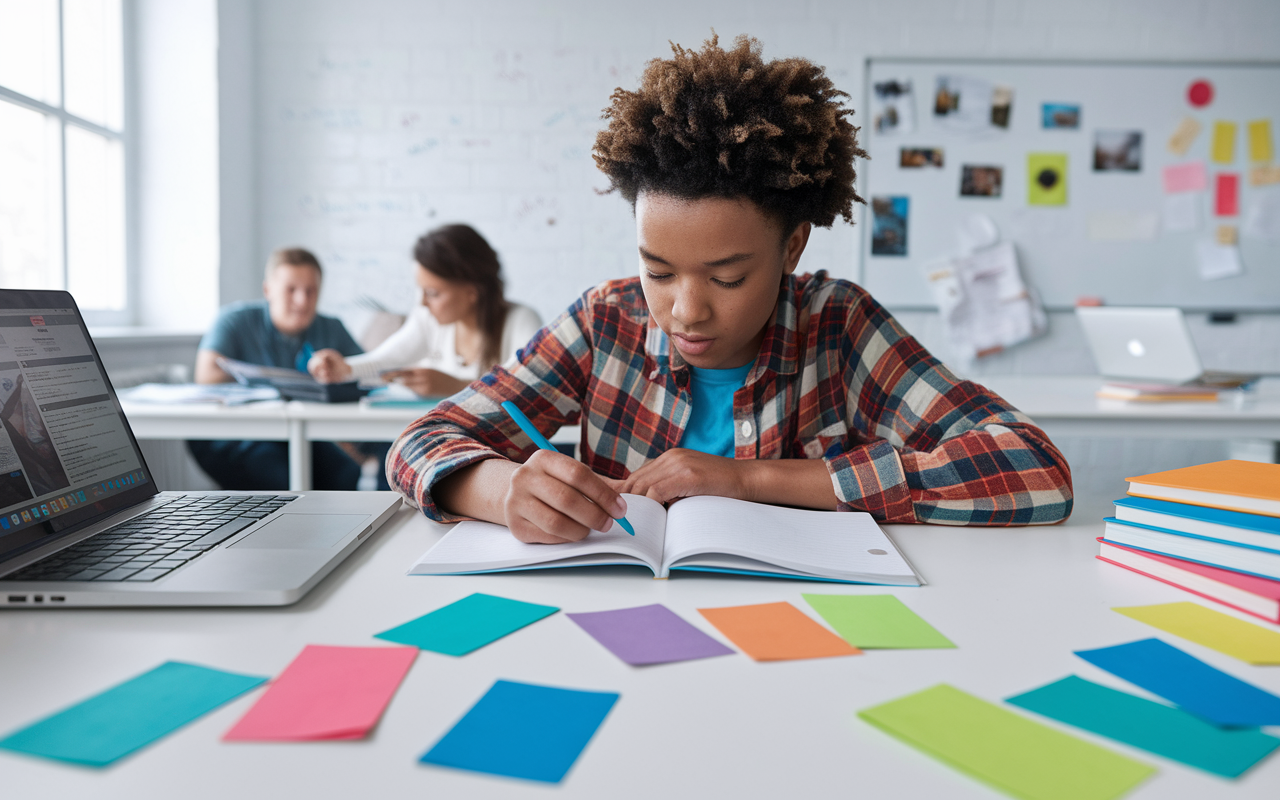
303	531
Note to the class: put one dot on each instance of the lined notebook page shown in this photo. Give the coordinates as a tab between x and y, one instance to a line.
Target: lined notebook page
839	544
481	546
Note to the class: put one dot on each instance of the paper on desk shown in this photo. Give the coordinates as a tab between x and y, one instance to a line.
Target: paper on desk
1148	725
523	731
1188	683
776	632
1223	149
230	394
1181	212
326	693
651	634
1189	177
130	715
1005	750
1250	643
873	621
1119	226
471	623
1260	148
1217	260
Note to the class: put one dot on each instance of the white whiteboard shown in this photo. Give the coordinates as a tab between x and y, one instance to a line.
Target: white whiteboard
1058	257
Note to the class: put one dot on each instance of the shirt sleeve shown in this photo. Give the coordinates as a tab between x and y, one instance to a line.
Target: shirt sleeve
925	446
227	335
547	383
410	343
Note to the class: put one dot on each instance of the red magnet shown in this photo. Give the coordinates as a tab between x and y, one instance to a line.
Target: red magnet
1200	93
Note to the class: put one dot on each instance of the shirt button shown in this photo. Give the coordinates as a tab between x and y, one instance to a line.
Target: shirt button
746	429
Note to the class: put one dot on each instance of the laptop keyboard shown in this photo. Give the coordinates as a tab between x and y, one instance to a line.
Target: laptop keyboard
154	544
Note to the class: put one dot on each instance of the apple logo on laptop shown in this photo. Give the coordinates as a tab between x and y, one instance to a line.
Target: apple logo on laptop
1136	349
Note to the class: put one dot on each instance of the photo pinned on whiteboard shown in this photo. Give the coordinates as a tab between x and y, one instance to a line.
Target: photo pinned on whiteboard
981	181
1117	151
893	107
889	225
1046	179
916	157
970	104
1060	115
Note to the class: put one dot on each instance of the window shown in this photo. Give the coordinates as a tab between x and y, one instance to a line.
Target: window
62	152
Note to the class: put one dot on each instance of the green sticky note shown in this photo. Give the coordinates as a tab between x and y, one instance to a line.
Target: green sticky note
1154	727
873	621
1006	750
131	715
1252	644
1047	179
468	624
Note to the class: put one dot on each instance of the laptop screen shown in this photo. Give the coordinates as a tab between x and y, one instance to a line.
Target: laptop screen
67	455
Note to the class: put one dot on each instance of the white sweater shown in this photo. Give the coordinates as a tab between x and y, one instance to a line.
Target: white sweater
423	342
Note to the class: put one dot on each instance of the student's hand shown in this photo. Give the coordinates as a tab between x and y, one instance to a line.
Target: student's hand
426	382
686	473
553	498
328	366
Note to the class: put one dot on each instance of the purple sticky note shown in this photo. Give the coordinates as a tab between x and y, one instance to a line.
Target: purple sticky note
648	635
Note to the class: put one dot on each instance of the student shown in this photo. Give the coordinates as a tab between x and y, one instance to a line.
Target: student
279	331
719	370
461	329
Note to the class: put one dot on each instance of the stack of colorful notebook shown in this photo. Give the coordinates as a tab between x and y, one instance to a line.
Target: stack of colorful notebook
1212	529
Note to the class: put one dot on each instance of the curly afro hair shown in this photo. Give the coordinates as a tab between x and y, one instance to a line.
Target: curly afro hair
724	123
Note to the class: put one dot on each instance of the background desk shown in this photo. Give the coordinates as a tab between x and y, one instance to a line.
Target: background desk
1015	601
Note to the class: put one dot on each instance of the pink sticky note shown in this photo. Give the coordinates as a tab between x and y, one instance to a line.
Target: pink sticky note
1227	198
1189	177
326	693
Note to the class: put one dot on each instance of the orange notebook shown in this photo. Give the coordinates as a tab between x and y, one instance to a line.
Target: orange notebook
1248	486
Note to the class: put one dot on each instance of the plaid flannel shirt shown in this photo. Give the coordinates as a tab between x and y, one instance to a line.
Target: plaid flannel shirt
837	379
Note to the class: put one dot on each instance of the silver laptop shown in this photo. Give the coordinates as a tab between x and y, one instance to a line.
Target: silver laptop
1149	344
82	523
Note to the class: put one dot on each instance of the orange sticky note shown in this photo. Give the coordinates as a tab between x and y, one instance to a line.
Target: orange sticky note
777	632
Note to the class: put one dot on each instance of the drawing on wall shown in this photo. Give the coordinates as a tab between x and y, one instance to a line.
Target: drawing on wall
1117	151
1047	179
915	157
889	225
893	108
981	181
1060	115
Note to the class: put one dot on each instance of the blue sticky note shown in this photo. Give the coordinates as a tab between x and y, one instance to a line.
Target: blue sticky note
523	731
131	715
1151	726
1188	683
468	624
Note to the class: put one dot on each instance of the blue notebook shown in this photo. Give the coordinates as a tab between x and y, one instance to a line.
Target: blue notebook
1234	556
1258	530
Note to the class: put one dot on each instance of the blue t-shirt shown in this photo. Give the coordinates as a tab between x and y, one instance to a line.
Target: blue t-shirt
710	428
244	331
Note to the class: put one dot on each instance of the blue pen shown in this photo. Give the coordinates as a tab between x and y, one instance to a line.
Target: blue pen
542	443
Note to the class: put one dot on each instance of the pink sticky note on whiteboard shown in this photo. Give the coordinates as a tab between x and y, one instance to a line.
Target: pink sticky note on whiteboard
326	693
1227	199
1189	177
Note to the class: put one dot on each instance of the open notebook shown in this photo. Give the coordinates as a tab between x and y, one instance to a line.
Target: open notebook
706	534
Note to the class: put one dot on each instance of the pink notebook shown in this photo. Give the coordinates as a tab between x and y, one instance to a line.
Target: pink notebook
1248	593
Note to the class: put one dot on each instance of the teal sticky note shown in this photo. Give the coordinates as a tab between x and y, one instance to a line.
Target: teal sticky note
131	715
523	731
1154	727
468	624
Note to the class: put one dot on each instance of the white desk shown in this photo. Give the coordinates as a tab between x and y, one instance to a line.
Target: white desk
1015	601
1062	406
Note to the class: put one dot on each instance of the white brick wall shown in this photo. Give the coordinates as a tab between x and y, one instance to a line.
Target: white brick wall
378	119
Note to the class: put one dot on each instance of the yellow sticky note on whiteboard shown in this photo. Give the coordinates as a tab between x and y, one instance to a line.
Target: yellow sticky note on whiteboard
1224	142
1260	140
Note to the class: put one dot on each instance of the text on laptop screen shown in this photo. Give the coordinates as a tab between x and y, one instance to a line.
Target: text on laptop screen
65	447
